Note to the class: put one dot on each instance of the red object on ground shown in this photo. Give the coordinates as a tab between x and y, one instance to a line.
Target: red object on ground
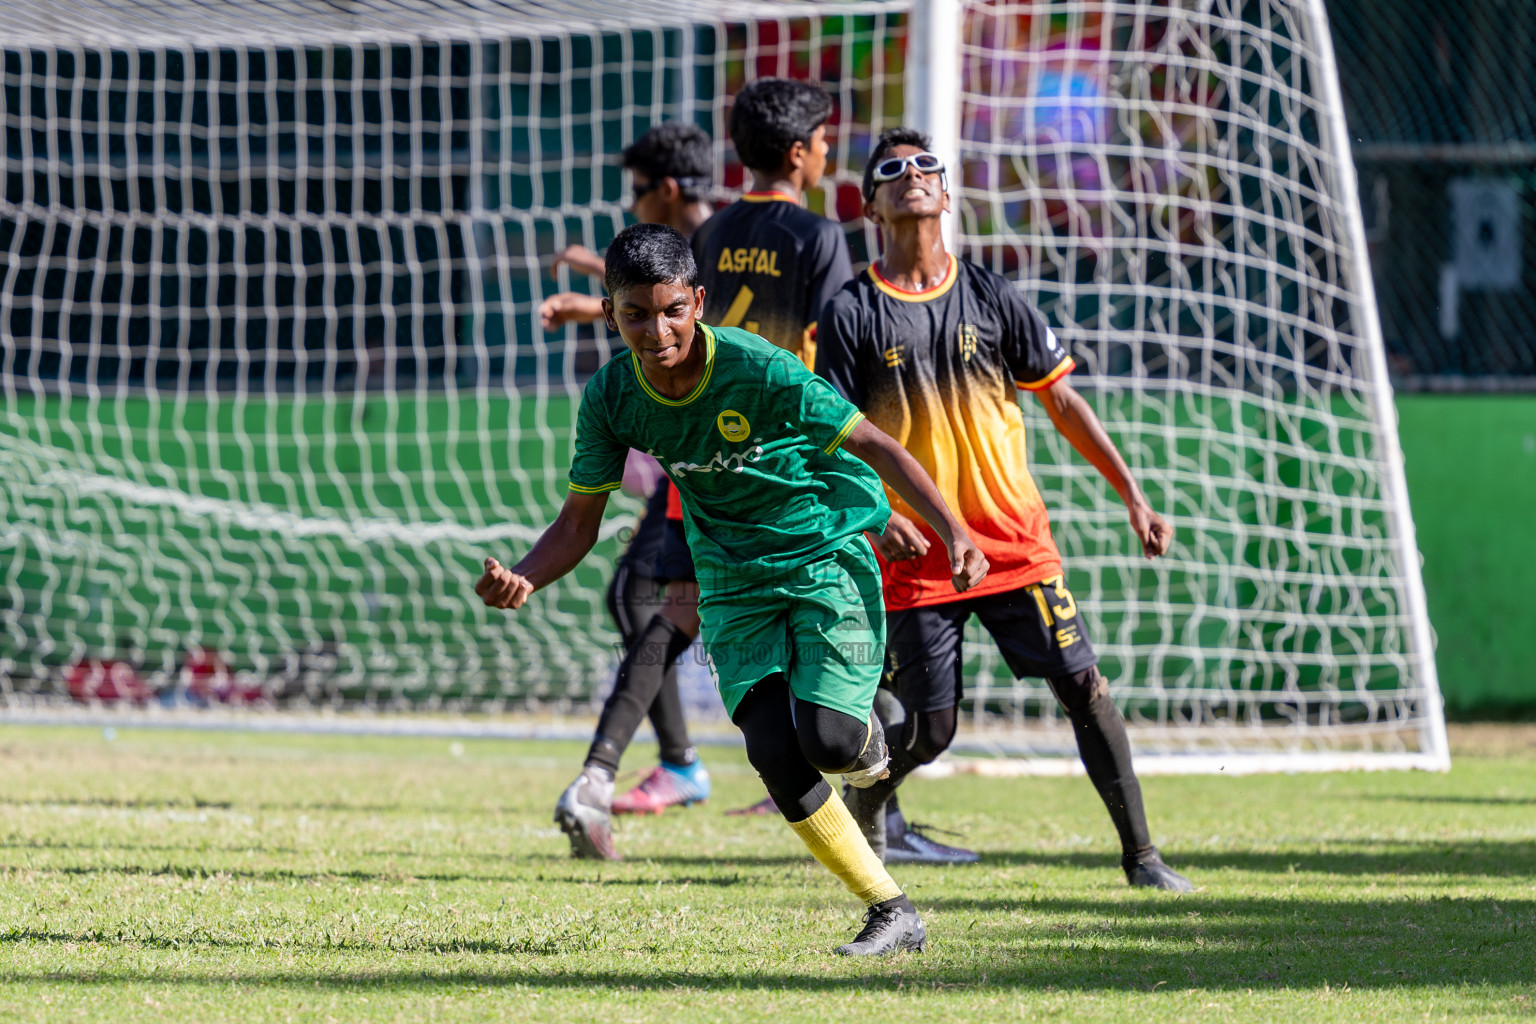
97	680
207	680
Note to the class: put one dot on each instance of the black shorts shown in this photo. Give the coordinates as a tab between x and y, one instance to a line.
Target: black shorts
675	563
1036	628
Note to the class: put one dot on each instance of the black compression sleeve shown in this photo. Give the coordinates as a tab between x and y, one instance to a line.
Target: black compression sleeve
773	748
1106	754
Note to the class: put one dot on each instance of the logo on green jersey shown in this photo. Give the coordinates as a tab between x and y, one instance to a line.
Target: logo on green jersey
735	462
733	425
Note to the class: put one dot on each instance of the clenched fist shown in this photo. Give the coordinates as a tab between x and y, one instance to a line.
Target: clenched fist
1151	529
500	587
967	565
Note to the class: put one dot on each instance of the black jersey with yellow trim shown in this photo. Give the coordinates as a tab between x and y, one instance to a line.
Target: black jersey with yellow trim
938	370
769	266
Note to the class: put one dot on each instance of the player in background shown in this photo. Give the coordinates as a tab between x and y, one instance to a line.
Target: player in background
653	596
767	264
669	167
778	477
931	348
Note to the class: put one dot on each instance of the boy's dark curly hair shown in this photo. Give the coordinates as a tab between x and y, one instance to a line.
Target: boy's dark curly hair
648	254
771	115
677	150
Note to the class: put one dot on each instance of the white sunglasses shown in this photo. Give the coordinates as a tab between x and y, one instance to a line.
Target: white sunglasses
894	167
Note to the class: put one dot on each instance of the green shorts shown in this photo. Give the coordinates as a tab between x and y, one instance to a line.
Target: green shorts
822	625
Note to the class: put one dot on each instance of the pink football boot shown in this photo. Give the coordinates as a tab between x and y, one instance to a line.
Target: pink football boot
666	785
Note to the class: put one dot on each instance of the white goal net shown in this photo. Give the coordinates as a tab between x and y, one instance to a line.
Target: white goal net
1172	186
273	382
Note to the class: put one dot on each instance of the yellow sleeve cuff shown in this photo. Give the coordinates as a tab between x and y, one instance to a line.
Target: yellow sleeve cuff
842	435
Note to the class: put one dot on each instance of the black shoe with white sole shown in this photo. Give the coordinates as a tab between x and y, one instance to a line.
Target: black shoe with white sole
1149	872
916	845
889	927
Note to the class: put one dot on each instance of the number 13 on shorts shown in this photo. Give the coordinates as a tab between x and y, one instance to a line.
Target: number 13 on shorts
1058	609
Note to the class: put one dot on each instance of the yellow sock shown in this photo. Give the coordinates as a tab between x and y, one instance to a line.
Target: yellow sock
834	839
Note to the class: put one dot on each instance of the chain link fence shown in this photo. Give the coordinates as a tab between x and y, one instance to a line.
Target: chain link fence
1441	102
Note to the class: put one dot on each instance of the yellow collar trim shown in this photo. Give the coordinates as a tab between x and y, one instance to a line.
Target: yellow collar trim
698	389
922	296
769	197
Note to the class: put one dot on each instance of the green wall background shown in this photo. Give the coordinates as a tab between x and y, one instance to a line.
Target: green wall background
1471	464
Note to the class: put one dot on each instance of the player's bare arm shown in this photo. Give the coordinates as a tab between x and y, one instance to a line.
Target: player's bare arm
580	258
569	307
559	550
901	471
1075	419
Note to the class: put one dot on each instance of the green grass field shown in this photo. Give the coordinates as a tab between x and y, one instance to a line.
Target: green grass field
242	877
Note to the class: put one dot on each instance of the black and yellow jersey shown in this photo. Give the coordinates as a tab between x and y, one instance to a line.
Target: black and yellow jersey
938	371
769	266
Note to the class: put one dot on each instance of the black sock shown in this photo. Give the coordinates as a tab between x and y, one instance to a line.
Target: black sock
895	821
1106	754
919	740
605	754
898	903
666	714
641	676
902	765
1107	757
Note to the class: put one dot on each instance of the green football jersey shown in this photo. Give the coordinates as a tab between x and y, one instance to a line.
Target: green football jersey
754	451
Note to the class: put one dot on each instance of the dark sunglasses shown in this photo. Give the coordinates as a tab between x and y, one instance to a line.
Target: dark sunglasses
686	181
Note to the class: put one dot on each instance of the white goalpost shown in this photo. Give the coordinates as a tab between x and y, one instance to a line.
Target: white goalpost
271	381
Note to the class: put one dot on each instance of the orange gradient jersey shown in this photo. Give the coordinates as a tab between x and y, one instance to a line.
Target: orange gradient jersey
938	371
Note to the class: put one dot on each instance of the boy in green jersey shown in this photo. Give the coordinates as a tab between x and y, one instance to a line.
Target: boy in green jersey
778	476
